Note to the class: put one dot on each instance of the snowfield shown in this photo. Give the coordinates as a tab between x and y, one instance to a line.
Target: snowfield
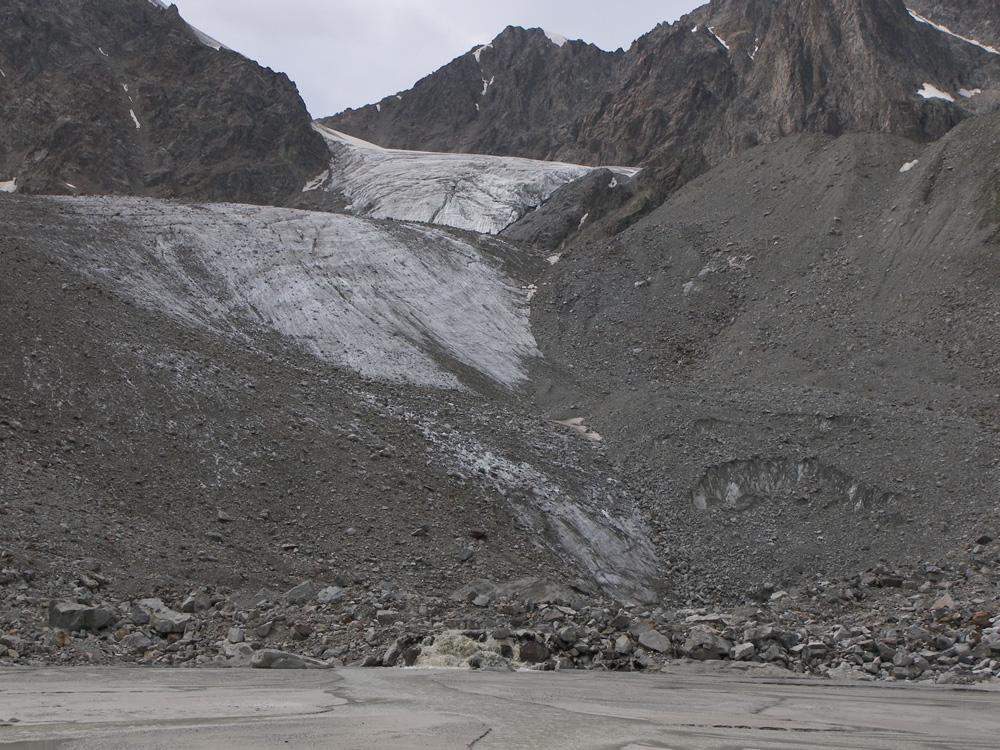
390	302
484	194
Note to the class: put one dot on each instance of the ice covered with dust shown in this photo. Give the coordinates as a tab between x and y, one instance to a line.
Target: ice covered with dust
480	193
383	300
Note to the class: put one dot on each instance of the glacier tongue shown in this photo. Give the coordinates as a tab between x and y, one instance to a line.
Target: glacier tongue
394	302
475	192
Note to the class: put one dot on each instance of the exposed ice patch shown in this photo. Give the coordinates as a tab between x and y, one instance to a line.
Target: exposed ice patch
317	182
909	165
969	93
468	191
390	302
487	84
8	186
556	39
711	31
933	92
135	119
583	220
613	184
917	17
694	30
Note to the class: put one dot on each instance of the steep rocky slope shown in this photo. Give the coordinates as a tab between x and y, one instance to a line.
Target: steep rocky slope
795	356
974	19
729	76
122	96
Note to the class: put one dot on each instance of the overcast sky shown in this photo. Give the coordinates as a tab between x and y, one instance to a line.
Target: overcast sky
348	53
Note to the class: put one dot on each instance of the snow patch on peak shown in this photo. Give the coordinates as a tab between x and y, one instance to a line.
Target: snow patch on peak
722	41
8	187
478	53
159	4
969	93
933	92
556	39
945	30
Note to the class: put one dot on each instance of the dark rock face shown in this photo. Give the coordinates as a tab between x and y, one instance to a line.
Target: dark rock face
519	95
733	74
973	19
121	96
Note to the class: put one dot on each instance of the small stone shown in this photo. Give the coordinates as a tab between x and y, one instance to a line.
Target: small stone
197	603
703	644
654	640
742	651
263	631
301	594
214	536
273	659
387	616
945	602
533	652
330	595
481	601
623	645
236	635
466	554
984	539
477	534
224	517
136	643
982	619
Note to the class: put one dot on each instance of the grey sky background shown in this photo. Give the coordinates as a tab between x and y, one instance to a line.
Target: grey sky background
348	53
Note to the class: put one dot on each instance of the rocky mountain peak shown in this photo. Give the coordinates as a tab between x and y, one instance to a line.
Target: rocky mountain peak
122	96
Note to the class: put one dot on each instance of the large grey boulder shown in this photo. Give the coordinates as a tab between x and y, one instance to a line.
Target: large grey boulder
272	659
72	616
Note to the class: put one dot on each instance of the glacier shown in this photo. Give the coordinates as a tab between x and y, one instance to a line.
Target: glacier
474	192
390	301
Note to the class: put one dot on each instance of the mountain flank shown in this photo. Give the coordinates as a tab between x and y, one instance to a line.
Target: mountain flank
123	97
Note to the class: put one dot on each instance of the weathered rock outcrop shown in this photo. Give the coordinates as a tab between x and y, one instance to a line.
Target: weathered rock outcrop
122	96
731	75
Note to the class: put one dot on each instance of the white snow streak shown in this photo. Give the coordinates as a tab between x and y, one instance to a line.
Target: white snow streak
135	119
8	187
933	92
101	50
479	52
944	29
721	40
556	39
2	73
908	166
487	84
480	193
383	300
